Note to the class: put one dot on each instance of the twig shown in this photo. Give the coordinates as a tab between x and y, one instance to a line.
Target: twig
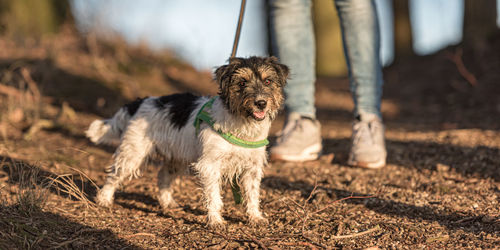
340	228
255	240
466	219
37	126
343	199
64	243
314	242
311	194
376	228
140	234
10	91
14	92
296	204
306	214
219	234
293	210
31	84
301	243
180	233
464	72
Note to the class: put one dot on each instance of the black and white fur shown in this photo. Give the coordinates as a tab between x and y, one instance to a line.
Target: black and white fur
164	125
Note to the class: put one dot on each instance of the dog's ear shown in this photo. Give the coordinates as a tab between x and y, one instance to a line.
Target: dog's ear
225	70
235	60
220	72
223	74
282	70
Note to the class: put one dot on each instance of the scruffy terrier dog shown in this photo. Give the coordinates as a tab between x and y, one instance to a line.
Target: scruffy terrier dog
220	139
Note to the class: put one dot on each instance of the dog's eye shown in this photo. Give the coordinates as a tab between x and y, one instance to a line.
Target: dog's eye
267	82
242	83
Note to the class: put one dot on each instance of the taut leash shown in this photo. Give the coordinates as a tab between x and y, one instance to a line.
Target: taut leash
238	28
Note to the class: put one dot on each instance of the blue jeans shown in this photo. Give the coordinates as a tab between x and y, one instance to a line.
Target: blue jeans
292	39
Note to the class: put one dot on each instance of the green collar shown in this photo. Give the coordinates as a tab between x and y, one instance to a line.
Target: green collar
204	116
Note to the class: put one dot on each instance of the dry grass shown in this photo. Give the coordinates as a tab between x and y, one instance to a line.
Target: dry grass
25	220
31	191
23	102
67	184
20	204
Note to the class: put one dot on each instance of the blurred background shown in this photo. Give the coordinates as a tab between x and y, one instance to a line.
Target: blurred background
94	55
201	32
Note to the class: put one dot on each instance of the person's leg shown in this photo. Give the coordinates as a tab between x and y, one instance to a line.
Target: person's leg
292	38
360	35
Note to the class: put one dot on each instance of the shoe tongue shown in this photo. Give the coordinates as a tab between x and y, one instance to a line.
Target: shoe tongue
367	117
307	118
292	117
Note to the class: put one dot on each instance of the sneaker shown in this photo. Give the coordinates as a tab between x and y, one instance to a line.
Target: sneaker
300	140
367	143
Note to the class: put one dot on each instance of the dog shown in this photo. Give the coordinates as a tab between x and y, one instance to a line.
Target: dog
220	139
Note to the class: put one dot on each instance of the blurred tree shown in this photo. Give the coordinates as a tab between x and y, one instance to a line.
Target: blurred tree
330	59
32	18
402	29
480	20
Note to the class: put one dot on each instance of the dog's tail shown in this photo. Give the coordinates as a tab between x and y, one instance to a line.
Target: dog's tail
109	131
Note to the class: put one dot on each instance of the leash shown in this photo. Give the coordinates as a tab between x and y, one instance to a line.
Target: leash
238	29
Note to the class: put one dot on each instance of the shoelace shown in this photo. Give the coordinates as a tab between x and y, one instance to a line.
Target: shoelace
289	128
363	131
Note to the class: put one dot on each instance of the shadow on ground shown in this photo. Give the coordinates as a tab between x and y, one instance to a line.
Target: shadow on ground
19	172
448	218
44	230
480	161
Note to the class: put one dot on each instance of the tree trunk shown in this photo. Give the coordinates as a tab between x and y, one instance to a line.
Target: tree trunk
330	59
402	29
479	20
32	18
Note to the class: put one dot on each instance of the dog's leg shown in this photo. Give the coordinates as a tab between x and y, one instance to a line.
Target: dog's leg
250	181
210	178
166	176
129	156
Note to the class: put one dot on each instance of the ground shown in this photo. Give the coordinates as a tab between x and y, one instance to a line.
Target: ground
440	188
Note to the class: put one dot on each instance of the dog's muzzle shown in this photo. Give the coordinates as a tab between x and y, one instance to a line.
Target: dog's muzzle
260	114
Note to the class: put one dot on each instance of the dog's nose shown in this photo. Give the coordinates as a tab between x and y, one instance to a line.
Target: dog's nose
261	104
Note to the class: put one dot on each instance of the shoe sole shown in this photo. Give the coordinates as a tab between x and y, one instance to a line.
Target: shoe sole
371	165
310	153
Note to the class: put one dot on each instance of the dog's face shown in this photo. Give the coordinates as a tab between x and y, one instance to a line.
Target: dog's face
252	87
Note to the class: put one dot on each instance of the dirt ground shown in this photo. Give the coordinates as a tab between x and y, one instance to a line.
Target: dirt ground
440	188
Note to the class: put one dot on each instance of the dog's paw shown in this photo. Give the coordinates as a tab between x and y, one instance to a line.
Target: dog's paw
257	221
219	226
104	199
216	222
168	206
104	202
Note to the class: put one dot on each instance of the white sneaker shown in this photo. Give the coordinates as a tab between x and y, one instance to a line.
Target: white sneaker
367	143
300	140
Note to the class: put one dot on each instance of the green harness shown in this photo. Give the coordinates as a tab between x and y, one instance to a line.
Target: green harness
204	116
